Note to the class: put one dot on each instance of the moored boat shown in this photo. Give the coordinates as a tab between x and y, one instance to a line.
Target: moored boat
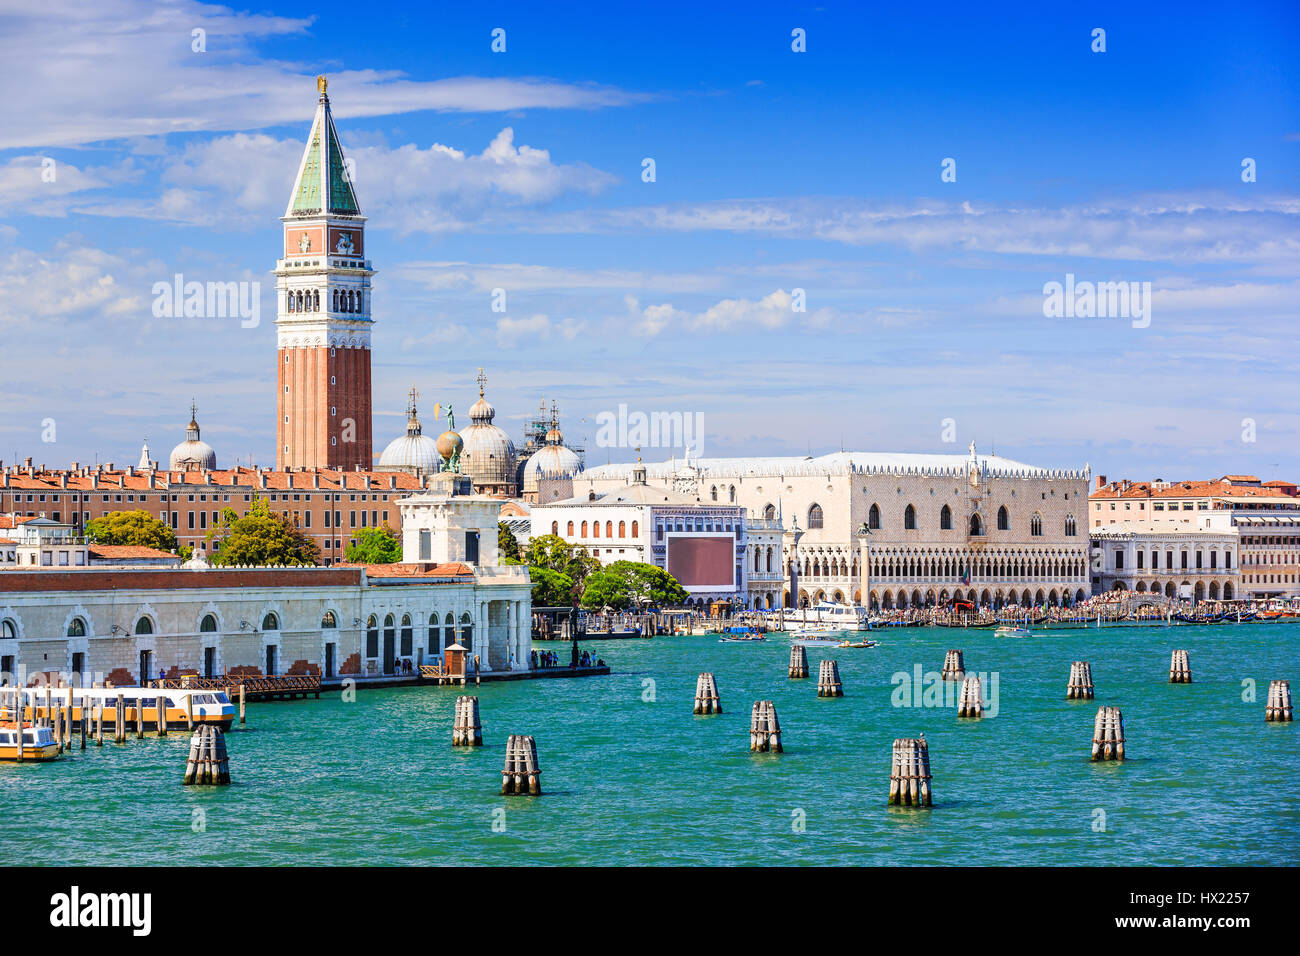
209	706
38	742
1012	630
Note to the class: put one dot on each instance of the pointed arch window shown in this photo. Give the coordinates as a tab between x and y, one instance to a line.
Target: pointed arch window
1070	529
1004	519
976	525
873	518
815	517
769	512
208	625
945	518
909	518
1036	525
77	628
270	622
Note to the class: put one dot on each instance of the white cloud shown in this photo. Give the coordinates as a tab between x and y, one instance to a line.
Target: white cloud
773	311
91	72
527	332
243	181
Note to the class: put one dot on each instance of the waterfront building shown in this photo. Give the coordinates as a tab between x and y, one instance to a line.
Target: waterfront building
193	454
129	623
1174	562
1264	516
327	505
323	312
900	530
704	545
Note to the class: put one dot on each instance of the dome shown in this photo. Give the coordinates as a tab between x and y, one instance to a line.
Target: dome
552	460
489	456
413	451
193	453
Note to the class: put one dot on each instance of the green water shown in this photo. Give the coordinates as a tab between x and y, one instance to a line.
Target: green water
634	781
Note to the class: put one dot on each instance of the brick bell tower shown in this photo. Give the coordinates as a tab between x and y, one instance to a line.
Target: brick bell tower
323	313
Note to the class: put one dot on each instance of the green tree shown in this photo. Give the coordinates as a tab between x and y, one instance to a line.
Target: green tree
648	584
553	552
507	545
551	588
606	588
137	528
262	536
376	546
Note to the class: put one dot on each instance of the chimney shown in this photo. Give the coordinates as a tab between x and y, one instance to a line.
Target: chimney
262	479
288	479
1101	482
63	483
392	483
315	483
76	466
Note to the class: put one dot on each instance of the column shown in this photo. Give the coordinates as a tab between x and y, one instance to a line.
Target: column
512	639
484	628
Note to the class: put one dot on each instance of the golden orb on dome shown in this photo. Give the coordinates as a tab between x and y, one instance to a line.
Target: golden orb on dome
450	444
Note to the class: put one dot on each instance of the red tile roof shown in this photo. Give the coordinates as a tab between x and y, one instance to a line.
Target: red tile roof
1222	488
13	521
120	551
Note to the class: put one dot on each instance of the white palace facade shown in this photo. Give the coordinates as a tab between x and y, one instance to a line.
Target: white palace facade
899	530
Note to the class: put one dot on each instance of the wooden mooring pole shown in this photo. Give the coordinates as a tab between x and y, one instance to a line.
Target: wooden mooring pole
466	731
1180	672
798	661
1080	685
972	702
241	702
1279	701
521	773
764	728
208	762
909	773
1108	735
954	666
119	721
828	680
707	700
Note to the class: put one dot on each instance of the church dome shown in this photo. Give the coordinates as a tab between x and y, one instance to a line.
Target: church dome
552	460
413	451
488	457
193	454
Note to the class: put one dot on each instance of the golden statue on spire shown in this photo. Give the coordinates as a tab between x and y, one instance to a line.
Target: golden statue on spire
321	83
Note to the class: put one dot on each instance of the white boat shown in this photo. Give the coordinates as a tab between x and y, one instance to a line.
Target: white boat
208	705
1012	630
839	617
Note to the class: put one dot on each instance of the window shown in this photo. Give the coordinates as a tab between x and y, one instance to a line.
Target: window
144	626
873	518
372	637
909	518
555	528
635	527
769	512
815	518
329	620
595	529
622	529
1036	525
570	529
270	622
976	525
945	518
8	632
77	628
1004	519
1071	530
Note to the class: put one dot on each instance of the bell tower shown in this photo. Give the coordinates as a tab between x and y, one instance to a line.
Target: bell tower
323	312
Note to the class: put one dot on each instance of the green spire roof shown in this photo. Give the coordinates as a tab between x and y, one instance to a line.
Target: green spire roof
323	186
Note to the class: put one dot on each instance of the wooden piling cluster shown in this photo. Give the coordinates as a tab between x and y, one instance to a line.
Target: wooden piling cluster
521	774
1180	672
466	731
1279	701
1080	686
971	703
707	700
954	666
828	680
1108	735
798	661
909	774
764	728
207	762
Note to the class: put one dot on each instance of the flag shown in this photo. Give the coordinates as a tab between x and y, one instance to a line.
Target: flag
437	407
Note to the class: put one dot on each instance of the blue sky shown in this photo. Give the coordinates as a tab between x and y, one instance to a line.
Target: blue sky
775	171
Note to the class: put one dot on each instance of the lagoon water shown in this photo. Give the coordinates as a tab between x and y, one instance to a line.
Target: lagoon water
630	776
